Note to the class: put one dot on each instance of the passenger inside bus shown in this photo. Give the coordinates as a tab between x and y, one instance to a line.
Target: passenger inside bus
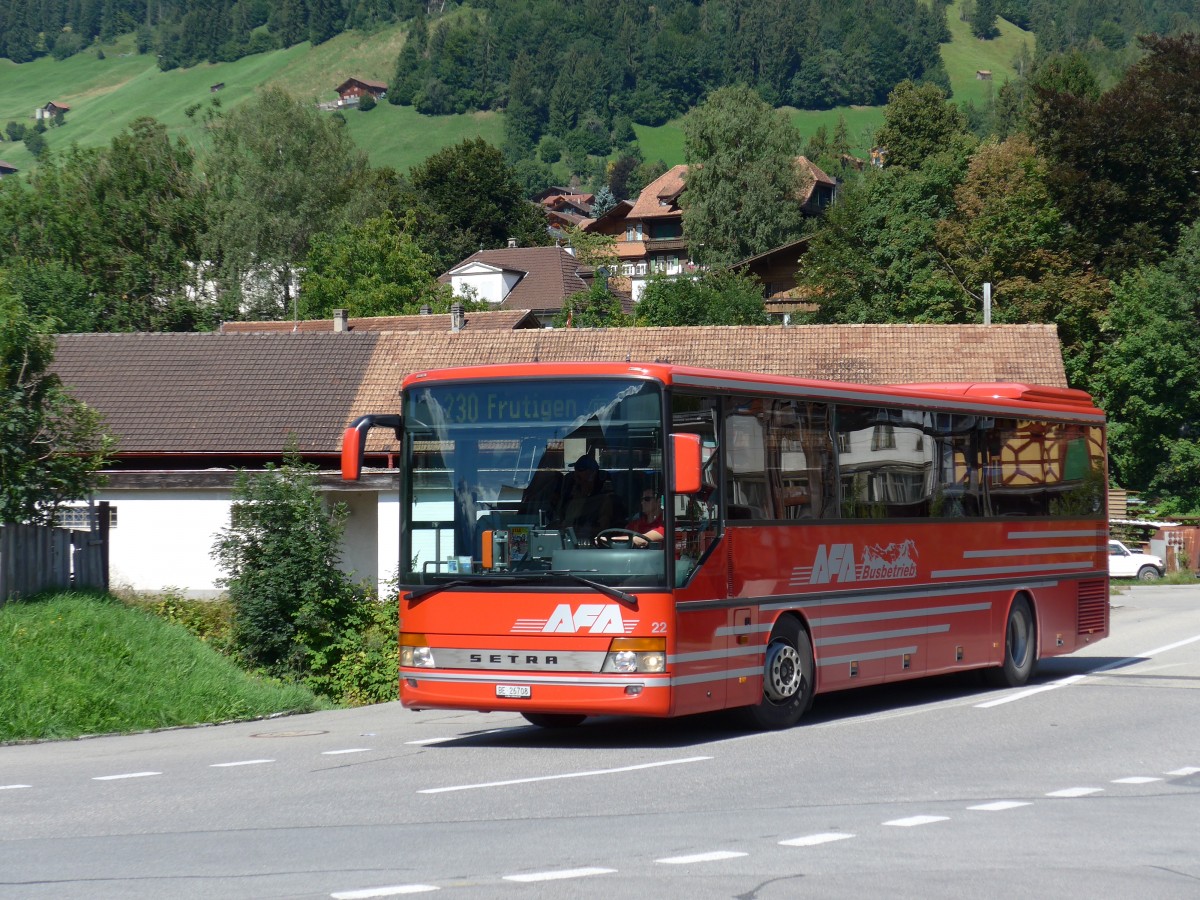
589	503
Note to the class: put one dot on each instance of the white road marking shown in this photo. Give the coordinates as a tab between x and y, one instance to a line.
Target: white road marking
127	775
393	891
812	840
1116	664
241	762
559	875
489	784
1075	792
1135	779
713	856
917	820
1000	805
456	737
437	740
1186	770
13	787
351	750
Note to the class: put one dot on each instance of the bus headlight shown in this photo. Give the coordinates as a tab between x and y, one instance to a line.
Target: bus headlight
415	652
627	656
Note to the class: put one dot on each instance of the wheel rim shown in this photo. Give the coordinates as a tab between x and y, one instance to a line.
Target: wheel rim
784	675
1018	637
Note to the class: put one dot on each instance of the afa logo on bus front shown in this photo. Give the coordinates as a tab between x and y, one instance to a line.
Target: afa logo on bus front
839	562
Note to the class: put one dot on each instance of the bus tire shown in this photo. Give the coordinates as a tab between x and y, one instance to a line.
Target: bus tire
553	720
788	678
1020	647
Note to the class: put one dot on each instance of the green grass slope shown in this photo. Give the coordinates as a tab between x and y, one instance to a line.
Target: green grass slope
76	664
106	94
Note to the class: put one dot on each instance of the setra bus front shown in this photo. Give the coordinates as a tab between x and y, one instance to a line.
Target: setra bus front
537	551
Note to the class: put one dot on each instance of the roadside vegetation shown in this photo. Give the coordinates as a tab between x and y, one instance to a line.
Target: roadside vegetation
80	664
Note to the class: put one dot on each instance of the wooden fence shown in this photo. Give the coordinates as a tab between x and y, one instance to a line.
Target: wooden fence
36	558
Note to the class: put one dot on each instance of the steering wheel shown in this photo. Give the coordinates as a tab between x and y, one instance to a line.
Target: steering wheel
604	538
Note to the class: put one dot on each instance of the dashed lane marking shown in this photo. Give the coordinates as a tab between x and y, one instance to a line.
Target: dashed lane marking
812	840
394	890
350	750
1000	805
1075	792
1135	779
712	856
912	821
489	784
1185	771
560	875
126	775
241	762
13	787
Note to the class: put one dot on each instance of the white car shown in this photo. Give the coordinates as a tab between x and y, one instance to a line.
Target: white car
1126	563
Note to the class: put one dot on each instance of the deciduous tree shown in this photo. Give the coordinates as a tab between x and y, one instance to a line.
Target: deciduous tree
743	184
720	297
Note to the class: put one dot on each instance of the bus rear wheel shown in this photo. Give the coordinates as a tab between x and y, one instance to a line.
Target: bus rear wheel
788	678
553	720
1020	647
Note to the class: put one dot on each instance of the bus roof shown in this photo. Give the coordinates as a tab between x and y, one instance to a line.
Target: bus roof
1014	397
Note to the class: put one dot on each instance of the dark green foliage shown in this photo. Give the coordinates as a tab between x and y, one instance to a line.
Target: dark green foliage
1126	194
919	123
1148	379
596	307
983	20
466	198
720	297
126	217
51	446
743	183
292	606
366	103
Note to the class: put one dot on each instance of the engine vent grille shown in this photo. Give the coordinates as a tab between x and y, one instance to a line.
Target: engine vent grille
1093	607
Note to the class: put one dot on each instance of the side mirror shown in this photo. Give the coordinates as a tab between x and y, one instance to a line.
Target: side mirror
685	454
354	442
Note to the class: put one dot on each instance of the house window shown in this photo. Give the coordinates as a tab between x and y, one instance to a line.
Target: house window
883	438
633	232
78	518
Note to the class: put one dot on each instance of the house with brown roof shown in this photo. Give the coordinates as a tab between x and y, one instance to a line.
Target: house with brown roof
530	278
190	410
650	237
352	90
50	110
7	169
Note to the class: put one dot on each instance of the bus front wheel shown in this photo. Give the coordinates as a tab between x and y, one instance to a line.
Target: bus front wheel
1020	647
788	678
553	720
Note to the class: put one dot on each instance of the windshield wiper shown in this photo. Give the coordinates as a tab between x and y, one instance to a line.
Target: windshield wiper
620	596
606	589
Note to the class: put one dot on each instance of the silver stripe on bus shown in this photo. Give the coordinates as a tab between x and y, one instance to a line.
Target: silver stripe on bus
899	614
726	630
1026	551
420	675
1033	535
1004	570
748	650
717	676
881	635
857	595
860	657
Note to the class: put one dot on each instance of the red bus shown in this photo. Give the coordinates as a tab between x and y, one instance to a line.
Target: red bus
809	536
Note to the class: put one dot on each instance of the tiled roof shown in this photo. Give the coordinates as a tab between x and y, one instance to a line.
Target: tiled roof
550	275
481	320
657	199
227	394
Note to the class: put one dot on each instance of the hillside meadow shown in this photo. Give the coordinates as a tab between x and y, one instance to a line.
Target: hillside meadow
106	94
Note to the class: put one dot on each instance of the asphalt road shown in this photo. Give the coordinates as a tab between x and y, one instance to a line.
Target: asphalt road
1085	783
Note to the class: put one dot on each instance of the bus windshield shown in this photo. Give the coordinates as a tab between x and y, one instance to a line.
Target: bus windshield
530	482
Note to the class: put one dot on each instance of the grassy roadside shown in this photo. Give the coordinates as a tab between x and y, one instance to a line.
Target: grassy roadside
78	664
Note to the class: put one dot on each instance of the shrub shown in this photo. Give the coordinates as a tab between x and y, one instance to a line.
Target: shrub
366	103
